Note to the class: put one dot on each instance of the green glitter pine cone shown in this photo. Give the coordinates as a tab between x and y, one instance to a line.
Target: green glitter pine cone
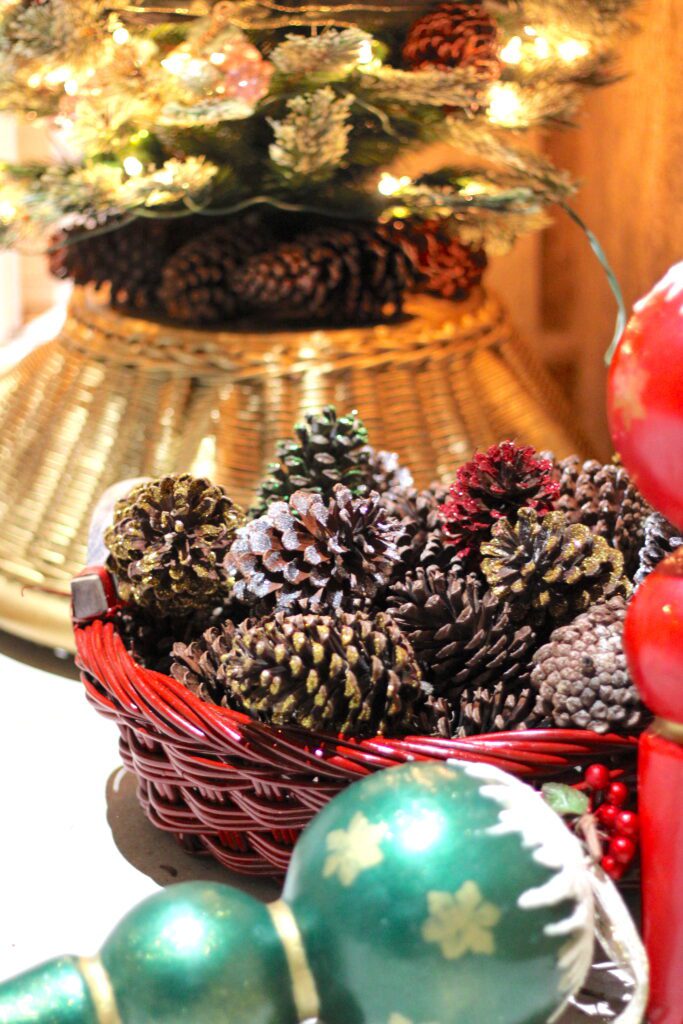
168	543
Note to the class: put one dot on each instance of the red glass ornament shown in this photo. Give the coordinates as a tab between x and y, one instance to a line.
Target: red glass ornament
597	777
645	396
653	637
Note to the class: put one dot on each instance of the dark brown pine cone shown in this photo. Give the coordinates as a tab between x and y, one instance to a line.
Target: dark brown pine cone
444	265
581	675
494	485
604	498
129	258
421	542
149	637
327	450
551	569
455	35
198	665
660	539
352	275
463	637
314	555
347	673
484	709
168	542
198	280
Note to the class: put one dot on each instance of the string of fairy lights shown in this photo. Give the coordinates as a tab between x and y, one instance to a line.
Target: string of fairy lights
116	80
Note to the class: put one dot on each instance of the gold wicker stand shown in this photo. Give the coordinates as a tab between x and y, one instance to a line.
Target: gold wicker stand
114	397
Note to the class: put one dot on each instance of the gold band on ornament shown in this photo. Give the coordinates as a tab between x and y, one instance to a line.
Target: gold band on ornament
99	986
668	730
304	990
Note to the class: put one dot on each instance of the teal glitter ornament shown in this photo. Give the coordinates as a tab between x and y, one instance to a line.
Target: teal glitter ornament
425	894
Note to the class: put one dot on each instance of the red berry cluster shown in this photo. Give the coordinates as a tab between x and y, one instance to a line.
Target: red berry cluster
618	828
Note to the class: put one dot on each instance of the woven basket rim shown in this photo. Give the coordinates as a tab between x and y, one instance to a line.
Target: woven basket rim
540	746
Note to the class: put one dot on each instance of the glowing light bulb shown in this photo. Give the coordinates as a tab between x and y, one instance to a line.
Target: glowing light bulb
121	35
570	50
505	105
529	30
542	47
365	54
35	81
133	167
58	75
512	51
8	211
473	188
71	87
389	185
218	59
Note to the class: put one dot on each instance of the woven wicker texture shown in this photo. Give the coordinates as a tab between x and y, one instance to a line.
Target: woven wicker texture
241	790
114	397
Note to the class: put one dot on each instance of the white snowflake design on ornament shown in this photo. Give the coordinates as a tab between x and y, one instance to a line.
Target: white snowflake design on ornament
523	812
354	849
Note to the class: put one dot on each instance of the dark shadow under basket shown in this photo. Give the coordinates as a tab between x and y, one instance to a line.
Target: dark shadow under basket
241	790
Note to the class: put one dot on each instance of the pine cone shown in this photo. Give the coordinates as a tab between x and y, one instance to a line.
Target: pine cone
581	674
128	258
198	665
352	275
444	265
314	555
149	637
387	473
463	637
168	541
455	35
660	539
494	485
549	567
421	541
349	673
604	499
198	281
484	709
327	450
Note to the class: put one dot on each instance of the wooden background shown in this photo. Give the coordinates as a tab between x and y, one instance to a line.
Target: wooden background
628	153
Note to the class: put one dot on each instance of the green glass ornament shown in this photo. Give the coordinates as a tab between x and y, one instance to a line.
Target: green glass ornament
426	894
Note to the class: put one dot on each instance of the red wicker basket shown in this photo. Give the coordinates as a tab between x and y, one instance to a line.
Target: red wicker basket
241	790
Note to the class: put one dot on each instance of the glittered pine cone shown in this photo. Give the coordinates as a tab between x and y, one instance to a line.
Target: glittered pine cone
386	472
421	541
128	257
462	635
493	485
198	665
168	543
357	274
550	569
661	538
326	450
198	280
313	555
455	35
479	710
581	675
347	673
604	499
445	266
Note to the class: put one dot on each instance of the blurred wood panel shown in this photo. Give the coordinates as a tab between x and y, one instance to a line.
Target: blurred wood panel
628	153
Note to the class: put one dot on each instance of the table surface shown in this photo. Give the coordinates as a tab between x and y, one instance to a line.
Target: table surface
77	851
